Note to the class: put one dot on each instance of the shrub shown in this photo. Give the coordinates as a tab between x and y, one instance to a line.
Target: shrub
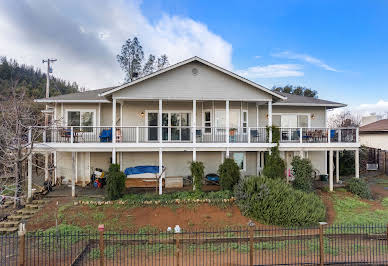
115	182
275	133
274	165
273	201
197	172
229	173
303	172
359	187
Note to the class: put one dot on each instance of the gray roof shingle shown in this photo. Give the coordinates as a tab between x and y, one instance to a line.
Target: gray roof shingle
91	95
293	99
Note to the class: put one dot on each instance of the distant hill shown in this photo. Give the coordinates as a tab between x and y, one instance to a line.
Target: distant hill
30	79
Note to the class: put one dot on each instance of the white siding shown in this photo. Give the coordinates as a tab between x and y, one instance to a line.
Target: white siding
180	83
378	141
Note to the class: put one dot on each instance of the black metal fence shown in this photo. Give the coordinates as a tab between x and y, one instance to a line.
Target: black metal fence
323	245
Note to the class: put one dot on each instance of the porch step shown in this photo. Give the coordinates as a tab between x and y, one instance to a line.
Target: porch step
33	206
8	224
18	217
39	202
27	211
6	230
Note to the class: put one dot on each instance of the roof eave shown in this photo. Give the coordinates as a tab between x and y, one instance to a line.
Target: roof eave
70	101
334	105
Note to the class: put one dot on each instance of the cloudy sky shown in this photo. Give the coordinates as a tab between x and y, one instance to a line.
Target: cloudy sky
335	47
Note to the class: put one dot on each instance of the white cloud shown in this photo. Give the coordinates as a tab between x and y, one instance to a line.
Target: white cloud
258	56
272	71
381	107
85	37
306	58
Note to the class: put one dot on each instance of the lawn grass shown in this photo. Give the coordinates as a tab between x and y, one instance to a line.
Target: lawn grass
352	210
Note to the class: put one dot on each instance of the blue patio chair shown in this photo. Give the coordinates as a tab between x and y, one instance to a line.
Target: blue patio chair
106	135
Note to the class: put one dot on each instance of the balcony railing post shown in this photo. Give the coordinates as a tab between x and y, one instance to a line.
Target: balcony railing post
137	134
71	135
44	134
328	135
339	135
357	135
301	135
249	134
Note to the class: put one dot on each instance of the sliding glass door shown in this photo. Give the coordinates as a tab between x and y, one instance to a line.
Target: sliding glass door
175	126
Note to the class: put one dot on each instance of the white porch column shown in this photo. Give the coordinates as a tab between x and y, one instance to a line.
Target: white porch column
74	175
113	156
160	171
227	153
29	177
258	166
121	161
301	154
194	154
46	165
55	167
257	115
262	160
62	115
331	170
194	122
160	113
270	121
357	163
227	123
114	120
337	167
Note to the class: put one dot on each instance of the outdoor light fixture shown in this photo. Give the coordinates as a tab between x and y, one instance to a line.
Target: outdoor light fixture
313	116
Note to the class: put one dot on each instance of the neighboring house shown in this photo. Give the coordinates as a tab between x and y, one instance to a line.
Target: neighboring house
193	110
370	119
375	135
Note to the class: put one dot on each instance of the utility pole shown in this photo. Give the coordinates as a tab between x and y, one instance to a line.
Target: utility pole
49	70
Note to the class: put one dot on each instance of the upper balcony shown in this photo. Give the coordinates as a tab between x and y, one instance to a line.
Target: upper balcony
187	134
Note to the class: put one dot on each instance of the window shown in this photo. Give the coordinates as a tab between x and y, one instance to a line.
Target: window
245	121
303	121
239	158
81	118
207	121
290	120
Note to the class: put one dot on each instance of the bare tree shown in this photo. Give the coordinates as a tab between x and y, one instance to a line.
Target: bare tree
344	119
17	115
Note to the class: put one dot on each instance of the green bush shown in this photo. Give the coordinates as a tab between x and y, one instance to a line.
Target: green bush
274	165
359	187
197	172
229	173
275	133
303	173
115	182
275	202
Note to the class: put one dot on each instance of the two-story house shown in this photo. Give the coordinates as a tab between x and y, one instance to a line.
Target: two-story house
193	110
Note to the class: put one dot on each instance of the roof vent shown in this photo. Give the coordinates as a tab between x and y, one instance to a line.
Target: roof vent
195	71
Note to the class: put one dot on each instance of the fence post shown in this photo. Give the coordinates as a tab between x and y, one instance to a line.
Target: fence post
101	244
250	226
321	244
178	248
22	243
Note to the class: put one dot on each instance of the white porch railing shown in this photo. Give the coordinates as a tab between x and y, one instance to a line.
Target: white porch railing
184	134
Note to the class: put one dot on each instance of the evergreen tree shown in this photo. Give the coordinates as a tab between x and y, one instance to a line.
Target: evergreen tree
29	80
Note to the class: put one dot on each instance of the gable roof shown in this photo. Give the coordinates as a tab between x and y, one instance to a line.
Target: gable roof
198	59
296	100
380	126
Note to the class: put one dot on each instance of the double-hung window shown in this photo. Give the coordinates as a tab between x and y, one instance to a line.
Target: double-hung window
82	120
